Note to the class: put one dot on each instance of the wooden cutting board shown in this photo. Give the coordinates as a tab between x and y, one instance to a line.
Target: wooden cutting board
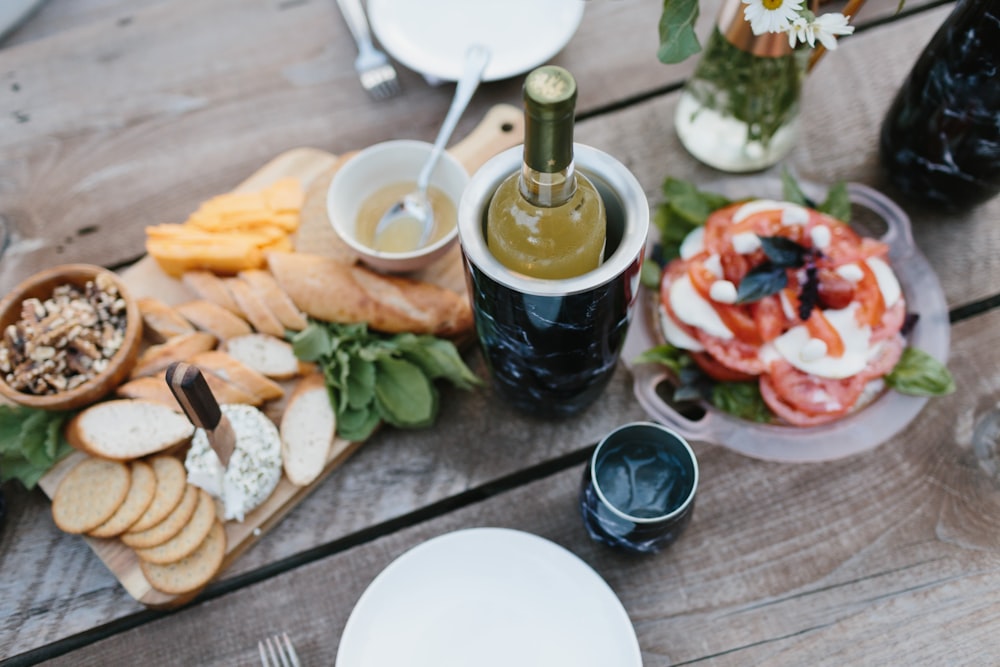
501	128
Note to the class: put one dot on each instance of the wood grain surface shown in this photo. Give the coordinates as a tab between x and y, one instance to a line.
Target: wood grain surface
889	557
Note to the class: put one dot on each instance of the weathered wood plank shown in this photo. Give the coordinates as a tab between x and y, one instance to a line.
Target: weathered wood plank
890	557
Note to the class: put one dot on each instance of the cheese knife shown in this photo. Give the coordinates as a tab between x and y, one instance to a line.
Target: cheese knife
191	390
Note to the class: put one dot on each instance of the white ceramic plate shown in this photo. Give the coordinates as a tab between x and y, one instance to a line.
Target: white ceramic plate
14	12
488	597
431	36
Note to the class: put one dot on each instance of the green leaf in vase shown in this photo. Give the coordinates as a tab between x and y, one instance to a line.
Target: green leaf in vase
677	36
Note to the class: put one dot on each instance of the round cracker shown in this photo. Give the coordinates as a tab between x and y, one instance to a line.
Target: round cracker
90	494
167	528
140	495
171	482
194	571
188	539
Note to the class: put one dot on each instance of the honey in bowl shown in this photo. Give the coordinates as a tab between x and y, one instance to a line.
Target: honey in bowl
404	235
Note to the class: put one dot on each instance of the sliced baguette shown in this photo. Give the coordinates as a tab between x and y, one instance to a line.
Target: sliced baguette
211	287
149	388
214	319
307	429
156	358
254	307
125	429
276	299
160	321
265	354
239	374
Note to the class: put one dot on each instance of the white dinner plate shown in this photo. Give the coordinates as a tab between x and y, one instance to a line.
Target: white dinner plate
431	36
488	597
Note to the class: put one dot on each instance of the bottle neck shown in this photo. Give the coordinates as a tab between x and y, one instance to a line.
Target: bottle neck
547	189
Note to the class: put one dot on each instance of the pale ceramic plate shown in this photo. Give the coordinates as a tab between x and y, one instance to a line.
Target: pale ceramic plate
431	36
856	432
488	597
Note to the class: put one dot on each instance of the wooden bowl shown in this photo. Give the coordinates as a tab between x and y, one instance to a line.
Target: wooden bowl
41	286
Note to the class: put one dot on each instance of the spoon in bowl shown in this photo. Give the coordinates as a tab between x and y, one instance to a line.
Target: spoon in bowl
415	206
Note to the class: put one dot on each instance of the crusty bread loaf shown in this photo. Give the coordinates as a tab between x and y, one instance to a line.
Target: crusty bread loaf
211	287
265	354
335	292
161	321
124	429
239	374
156	358
307	429
214	319
276	299
253	306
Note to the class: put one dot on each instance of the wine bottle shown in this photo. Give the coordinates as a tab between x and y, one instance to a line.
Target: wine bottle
547	220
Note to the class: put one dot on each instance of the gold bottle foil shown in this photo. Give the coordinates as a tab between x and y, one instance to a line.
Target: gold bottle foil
736	29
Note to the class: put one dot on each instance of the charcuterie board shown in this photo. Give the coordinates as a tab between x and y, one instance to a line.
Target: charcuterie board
499	129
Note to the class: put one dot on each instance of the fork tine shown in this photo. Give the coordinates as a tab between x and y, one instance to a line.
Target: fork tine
293	657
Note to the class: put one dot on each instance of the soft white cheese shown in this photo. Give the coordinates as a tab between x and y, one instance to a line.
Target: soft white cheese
745	243
693	243
254	468
820	235
850	272
792	215
813	350
888	284
723	291
677	336
693	310
791	344
714	265
756	206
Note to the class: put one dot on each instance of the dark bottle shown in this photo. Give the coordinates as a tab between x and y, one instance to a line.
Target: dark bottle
941	137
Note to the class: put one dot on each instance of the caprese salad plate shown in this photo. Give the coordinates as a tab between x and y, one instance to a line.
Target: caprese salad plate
779	331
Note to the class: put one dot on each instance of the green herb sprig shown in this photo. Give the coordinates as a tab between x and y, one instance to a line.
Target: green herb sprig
373	377
31	442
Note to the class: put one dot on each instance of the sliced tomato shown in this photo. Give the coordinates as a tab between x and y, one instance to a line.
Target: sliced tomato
737	318
847	246
888	356
871	302
787	412
769	317
735	266
716	370
812	394
733	353
892	322
835	291
820	327
716	227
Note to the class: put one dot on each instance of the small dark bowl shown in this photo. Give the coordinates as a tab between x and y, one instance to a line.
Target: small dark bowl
41	286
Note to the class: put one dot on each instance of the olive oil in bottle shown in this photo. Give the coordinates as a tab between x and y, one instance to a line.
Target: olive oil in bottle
547	220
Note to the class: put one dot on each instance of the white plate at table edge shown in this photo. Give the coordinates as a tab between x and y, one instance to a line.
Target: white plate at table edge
453	591
857	432
430	37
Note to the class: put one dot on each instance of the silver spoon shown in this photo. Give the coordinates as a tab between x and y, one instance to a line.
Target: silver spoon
415	206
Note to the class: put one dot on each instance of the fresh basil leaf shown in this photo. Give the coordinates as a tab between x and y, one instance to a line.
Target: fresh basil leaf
791	191
649	274
919	374
762	280
312	343
360	382
34	432
439	359
672	357
357	425
837	203
403	394
16	467
741	399
684	208
678	39
783	252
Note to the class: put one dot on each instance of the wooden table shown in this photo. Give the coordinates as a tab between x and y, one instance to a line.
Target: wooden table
122	113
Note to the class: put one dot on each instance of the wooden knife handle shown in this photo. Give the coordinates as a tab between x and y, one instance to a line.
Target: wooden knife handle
191	390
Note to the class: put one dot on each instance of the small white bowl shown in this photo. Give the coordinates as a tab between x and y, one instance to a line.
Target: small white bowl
376	167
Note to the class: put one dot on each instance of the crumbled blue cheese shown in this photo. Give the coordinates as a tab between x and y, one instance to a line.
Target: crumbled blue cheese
254	468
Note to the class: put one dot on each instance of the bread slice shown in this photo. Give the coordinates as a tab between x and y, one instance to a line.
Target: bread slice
211	287
156	358
125	429
149	388
239	374
253	306
307	429
265	354
160	321
264	284
214	319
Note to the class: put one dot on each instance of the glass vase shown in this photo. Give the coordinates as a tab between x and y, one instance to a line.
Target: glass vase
940	141
739	111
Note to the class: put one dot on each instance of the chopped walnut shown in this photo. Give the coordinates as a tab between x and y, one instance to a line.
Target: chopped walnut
64	341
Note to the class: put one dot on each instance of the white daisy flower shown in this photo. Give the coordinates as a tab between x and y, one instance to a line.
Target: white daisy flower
800	30
771	15
828	26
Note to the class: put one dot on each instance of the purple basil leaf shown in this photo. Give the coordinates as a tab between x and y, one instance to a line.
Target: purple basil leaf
809	294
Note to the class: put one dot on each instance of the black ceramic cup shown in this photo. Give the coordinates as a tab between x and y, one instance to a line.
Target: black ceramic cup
638	488
552	345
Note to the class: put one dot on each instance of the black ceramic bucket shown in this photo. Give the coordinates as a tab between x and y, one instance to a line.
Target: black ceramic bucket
552	345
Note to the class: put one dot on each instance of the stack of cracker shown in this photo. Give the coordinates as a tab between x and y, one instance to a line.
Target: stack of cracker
171	525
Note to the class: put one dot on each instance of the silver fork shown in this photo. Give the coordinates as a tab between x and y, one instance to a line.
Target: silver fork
277	651
377	74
